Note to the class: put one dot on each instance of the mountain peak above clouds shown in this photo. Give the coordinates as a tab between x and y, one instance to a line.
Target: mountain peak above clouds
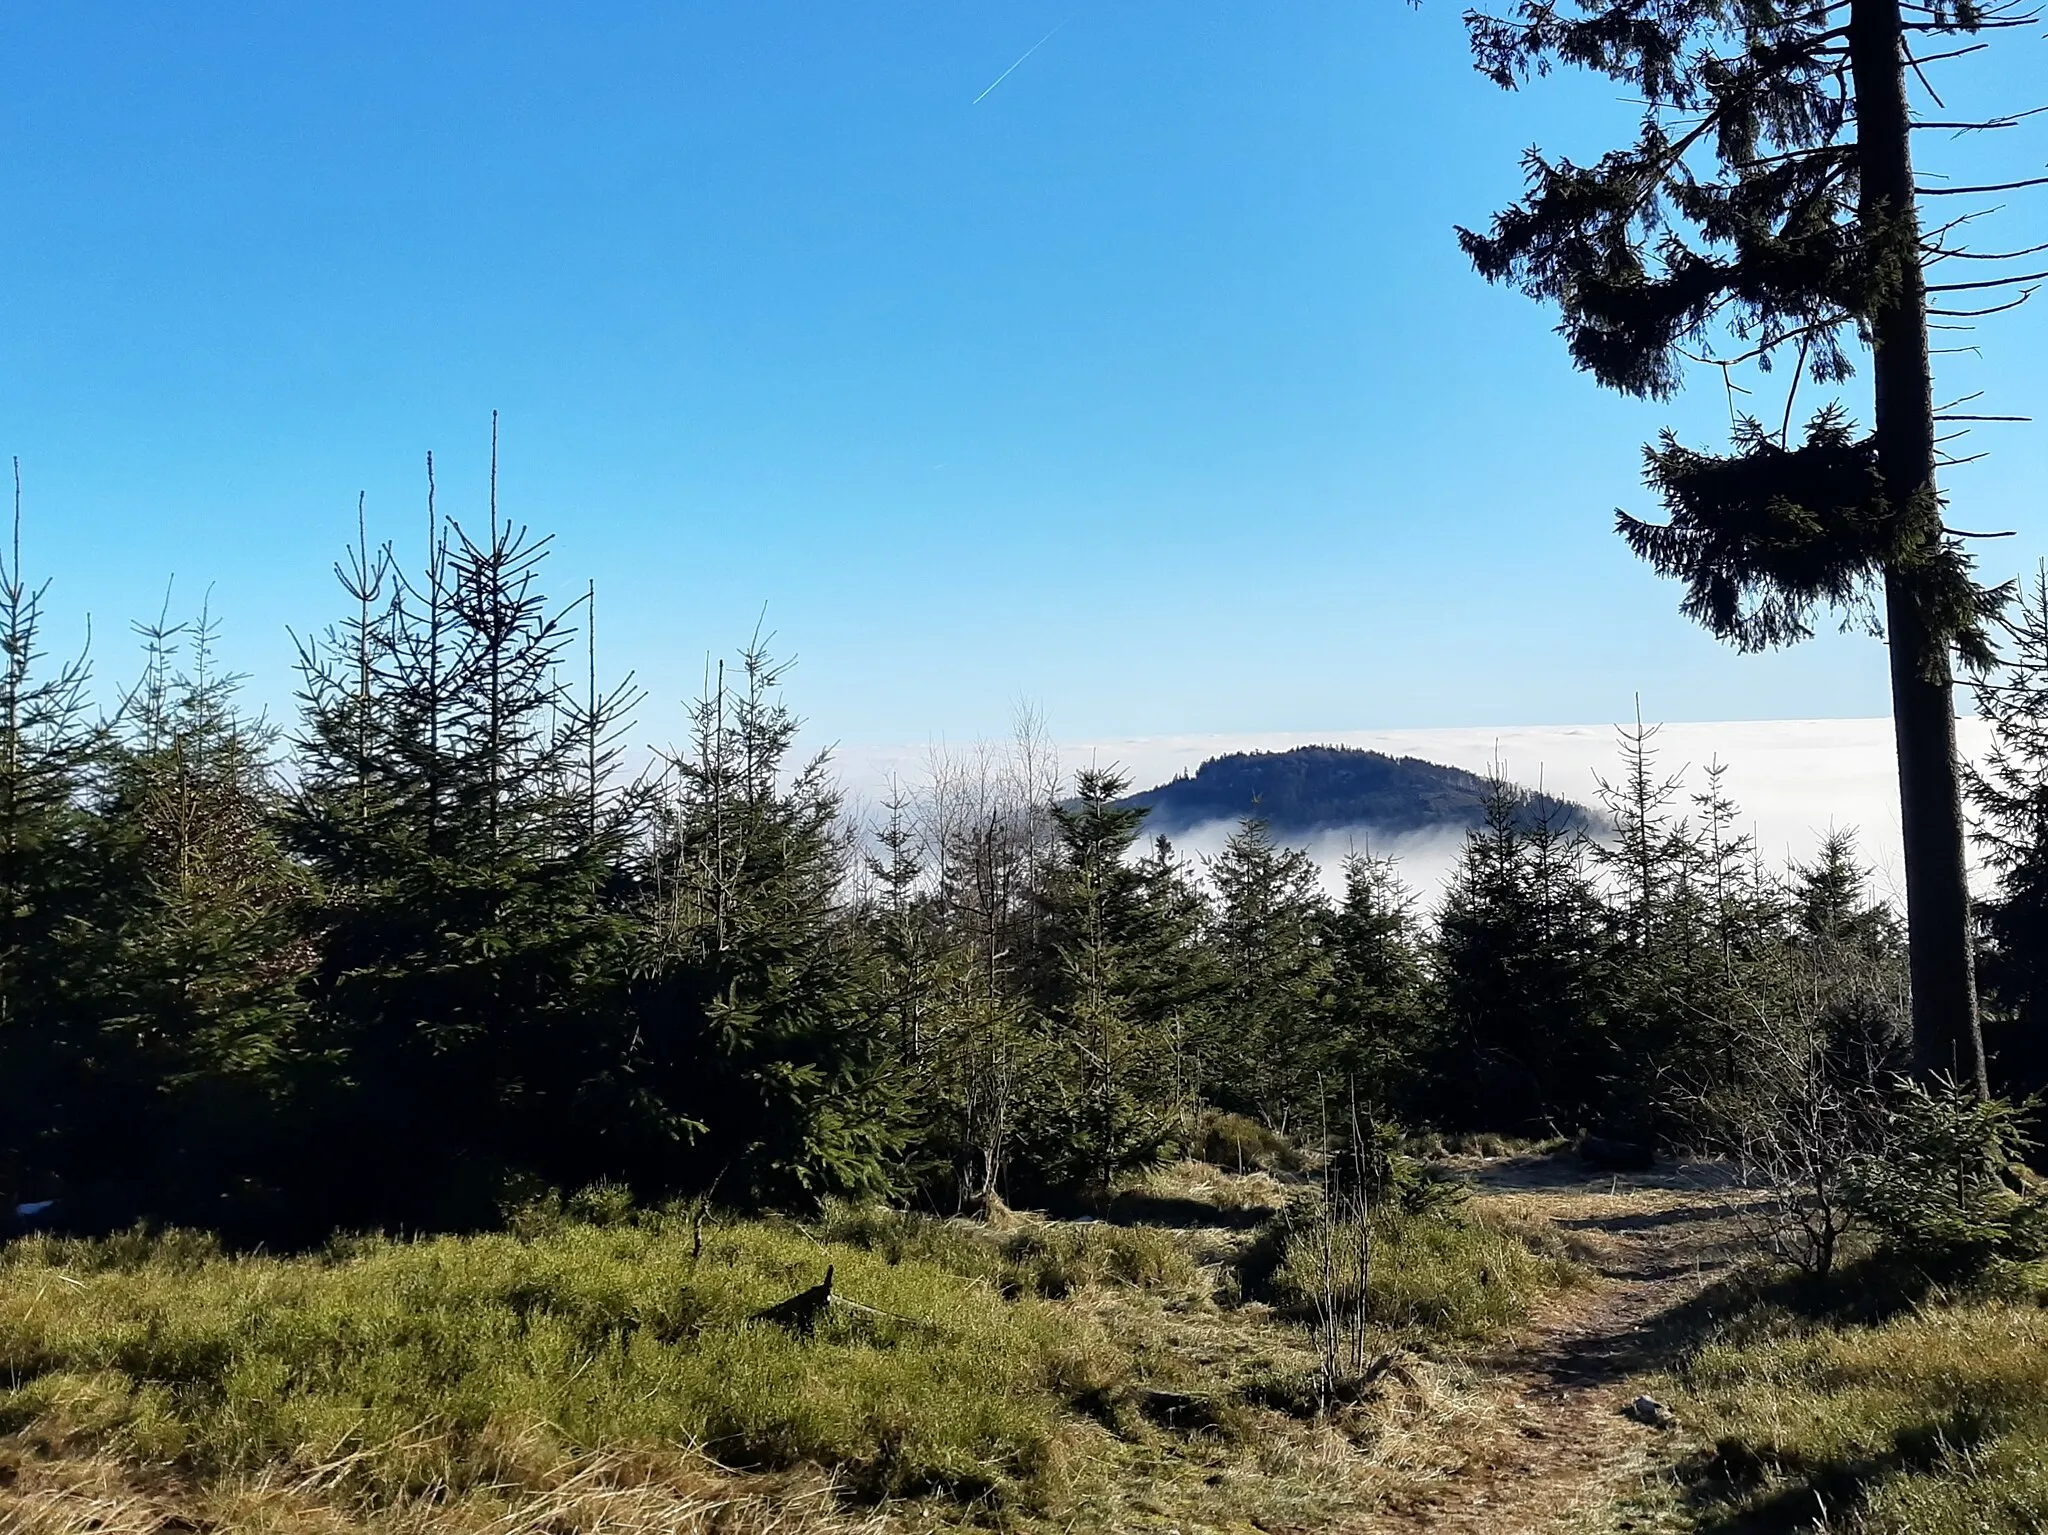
1309	789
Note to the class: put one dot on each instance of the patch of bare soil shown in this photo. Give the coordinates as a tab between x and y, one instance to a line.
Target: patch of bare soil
1561	1443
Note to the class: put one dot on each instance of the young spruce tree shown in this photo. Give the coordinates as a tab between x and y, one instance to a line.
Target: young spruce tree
1274	1053
1381	1017
1521	963
473	928
1108	1093
59	909
206	993
770	1062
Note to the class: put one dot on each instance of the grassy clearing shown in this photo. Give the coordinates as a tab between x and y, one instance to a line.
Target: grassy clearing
1932	1420
459	1365
604	1374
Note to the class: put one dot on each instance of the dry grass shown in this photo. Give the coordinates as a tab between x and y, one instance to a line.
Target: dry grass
1204	1185
1484	1144
1239	1144
594	1495
1589	1228
1264	1460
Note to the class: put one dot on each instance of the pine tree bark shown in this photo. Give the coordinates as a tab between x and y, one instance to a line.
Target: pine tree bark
1946	1036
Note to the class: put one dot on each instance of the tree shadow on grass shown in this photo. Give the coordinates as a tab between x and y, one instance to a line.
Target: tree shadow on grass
1654	1220
1865	1292
1136	1207
1740	1488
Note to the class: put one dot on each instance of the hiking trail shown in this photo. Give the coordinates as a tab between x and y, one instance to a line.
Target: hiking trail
1562	1445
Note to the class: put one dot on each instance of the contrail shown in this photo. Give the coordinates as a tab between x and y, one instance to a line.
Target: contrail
999	79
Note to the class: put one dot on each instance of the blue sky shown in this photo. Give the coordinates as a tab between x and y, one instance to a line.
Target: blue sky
1151	386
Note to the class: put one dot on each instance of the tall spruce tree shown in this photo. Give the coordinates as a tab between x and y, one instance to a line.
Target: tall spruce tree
1175	964
205	997
1768	211
1845	943
59	908
1661	925
1380	1013
1108	1098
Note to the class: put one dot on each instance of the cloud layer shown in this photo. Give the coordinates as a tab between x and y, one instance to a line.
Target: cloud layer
1795	780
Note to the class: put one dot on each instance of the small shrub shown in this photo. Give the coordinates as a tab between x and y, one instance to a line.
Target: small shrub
1419	1189
1936	1188
602	1204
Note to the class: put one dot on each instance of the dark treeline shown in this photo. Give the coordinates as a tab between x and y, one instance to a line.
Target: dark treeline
432	947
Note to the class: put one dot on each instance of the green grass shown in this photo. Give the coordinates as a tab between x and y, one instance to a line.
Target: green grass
1028	1257
1932	1421
1021	1377
459	1363
1454	1278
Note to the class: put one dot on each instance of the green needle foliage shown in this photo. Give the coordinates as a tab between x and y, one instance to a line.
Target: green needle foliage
1523	962
1942	1191
55	890
753	1021
1113	932
1767	213
2009	792
1269	934
471	951
206	997
1380	1022
432	951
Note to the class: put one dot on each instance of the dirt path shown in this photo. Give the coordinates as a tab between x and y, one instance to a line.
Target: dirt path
1562	1446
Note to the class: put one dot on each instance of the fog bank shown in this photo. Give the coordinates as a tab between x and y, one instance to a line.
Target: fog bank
1796	780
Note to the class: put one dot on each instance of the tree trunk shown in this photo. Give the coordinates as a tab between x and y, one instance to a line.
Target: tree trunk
1938	929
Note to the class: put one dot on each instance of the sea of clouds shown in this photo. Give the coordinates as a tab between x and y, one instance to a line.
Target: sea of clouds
1796	780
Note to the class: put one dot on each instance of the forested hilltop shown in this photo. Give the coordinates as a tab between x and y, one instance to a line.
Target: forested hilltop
1319	788
429	950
